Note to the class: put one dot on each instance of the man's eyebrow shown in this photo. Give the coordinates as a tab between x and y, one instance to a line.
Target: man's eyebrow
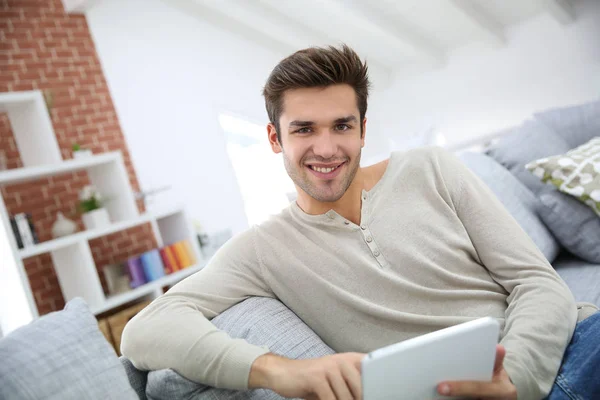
350	118
301	123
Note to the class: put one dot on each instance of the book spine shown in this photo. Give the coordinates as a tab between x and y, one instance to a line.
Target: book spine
15	229
24	230
172	259
167	263
136	272
34	234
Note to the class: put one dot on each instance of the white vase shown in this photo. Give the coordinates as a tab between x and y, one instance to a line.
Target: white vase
96	219
63	226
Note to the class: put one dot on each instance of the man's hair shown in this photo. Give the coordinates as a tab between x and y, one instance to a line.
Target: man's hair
316	67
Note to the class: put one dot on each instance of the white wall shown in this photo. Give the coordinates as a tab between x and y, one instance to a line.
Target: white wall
482	90
170	74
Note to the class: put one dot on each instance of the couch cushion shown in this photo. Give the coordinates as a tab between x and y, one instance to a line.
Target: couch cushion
62	355
137	378
520	202
261	321
574	225
530	141
575	124
581	277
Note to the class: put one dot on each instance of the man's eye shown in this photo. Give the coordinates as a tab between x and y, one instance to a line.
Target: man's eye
342	127
303	130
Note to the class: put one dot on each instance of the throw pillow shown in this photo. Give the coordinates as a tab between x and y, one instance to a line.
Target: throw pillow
576	173
520	202
62	355
261	321
573	224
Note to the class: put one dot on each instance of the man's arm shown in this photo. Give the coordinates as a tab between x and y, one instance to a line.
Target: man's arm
541	313
174	331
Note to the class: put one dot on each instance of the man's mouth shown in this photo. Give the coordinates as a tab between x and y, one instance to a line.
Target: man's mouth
325	171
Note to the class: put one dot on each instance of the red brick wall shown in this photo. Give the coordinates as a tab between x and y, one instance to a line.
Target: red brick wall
43	48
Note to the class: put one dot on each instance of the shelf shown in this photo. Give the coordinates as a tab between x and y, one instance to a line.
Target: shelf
19	175
146	289
14	98
55	244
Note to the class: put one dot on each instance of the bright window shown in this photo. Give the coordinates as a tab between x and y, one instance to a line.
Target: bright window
263	181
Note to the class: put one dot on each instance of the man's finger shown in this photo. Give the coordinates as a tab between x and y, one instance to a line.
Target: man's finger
352	377
470	389
339	386
324	391
500	353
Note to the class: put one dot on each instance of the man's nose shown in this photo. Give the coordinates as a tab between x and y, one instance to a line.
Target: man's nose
325	145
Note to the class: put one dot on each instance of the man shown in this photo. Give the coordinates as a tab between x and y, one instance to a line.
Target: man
366	257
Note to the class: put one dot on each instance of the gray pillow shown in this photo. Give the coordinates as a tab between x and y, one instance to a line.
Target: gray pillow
575	124
530	141
261	321
61	356
520	202
573	223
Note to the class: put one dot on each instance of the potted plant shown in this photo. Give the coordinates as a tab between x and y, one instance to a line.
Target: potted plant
93	214
79	152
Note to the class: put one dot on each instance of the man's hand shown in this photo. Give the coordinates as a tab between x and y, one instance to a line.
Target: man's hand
499	388
335	377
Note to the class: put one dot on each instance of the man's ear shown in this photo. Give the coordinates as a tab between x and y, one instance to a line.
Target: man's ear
364	132
273	141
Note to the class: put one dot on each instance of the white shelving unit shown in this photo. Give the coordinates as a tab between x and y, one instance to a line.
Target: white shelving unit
71	255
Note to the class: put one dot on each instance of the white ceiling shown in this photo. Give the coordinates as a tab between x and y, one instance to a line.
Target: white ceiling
390	34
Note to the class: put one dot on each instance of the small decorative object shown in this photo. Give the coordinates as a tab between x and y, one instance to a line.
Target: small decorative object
94	215
78	152
63	226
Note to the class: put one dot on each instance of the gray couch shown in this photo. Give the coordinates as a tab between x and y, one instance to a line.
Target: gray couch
561	227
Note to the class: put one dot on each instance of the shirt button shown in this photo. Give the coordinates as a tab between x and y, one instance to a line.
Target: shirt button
347	222
364	197
369	239
376	253
363	227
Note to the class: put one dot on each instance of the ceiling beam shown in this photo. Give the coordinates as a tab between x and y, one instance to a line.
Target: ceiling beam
488	26
561	10
397	30
266	26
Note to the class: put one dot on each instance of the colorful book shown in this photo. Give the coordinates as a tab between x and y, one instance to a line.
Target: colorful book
153	265
135	271
190	251
183	259
169	260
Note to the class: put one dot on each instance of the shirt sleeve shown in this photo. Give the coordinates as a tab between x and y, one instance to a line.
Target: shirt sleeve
174	331
541	313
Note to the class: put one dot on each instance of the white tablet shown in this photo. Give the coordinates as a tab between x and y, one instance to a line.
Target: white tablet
412	369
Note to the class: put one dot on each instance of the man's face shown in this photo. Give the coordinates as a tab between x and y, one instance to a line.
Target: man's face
320	139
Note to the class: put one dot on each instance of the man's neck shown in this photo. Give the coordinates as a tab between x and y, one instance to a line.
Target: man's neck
349	205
